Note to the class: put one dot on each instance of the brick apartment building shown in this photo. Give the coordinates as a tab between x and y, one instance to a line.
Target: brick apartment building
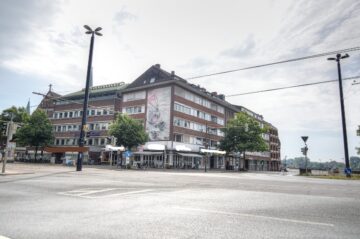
180	118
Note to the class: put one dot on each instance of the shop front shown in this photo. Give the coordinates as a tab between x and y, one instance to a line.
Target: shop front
112	155
67	155
150	159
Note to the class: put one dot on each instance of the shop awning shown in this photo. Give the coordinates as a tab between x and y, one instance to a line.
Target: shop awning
65	149
191	155
148	153
212	151
114	148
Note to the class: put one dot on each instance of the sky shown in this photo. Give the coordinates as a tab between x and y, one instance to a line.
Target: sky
44	42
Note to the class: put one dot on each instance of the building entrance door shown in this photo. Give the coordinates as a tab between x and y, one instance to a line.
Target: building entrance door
212	162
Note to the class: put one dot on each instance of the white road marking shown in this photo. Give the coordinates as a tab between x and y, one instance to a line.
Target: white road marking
259	216
96	191
3	237
89	192
119	194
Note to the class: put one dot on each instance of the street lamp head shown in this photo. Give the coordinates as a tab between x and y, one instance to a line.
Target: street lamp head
331	59
345	56
98	33
98	29
88	28
89	32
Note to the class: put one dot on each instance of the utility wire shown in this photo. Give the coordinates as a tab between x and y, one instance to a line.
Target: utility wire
60	98
277	62
293	86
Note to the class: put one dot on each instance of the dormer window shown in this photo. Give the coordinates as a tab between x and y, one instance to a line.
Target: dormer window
152	80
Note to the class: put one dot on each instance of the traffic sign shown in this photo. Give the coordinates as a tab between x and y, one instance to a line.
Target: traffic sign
347	170
128	154
305	138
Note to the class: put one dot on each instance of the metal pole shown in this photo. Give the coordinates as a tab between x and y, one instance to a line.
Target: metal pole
347	164
306	171
6	151
9	136
343	120
86	98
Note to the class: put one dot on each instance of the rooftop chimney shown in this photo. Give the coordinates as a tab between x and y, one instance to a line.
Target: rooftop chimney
157	65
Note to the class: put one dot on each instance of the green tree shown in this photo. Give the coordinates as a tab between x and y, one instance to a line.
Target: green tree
128	131
355	162
36	131
243	134
18	115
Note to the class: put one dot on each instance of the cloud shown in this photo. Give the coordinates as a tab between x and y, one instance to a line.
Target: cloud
44	40
19	22
123	16
246	48
198	63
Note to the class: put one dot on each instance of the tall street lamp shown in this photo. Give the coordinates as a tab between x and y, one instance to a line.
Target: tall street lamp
347	164
304	151
86	97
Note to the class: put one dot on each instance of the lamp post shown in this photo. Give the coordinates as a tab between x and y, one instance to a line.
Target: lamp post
347	164
305	138
86	97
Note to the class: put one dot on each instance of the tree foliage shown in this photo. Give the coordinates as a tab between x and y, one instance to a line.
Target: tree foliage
299	162
18	115
128	131
36	131
355	162
243	134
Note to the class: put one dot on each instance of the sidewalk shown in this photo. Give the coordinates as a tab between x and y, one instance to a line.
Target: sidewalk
32	168
177	170
19	168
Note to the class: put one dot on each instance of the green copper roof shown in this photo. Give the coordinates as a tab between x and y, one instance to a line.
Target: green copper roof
99	89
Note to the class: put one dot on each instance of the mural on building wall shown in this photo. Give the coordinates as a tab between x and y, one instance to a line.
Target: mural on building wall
158	113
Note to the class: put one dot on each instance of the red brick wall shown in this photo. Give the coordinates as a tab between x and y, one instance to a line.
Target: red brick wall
197	106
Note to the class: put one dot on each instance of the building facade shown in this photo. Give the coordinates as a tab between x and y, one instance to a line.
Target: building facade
65	113
181	119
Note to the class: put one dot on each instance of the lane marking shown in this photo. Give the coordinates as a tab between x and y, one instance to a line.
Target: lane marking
97	191
89	192
4	237
259	216
118	194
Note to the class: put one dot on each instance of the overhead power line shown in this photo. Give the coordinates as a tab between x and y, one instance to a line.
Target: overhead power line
293	86
277	62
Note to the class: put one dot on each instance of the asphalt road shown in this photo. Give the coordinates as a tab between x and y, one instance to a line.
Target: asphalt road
57	202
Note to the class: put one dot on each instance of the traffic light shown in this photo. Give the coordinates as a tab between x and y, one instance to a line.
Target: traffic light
304	150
